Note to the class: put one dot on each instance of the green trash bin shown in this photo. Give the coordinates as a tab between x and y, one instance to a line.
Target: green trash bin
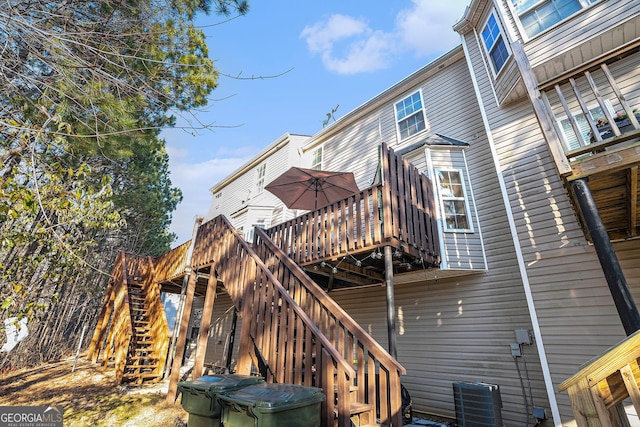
272	405
199	396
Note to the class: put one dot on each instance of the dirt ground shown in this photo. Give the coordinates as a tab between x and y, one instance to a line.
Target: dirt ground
89	396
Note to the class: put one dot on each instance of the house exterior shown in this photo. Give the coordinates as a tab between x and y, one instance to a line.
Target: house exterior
519	260
241	196
529	140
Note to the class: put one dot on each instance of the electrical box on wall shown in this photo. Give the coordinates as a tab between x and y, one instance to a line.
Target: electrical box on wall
523	336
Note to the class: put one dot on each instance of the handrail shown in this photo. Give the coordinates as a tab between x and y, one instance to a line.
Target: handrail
399	212
173	263
294	349
285	295
328	304
158	326
346	335
122	331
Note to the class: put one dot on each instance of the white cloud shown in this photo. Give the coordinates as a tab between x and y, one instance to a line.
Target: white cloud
195	180
426	28
363	48
349	46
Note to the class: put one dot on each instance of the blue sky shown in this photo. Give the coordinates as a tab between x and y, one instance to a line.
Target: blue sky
284	66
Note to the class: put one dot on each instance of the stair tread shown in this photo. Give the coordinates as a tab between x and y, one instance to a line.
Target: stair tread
358	407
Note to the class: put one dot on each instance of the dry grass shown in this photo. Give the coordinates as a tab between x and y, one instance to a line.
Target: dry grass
89	396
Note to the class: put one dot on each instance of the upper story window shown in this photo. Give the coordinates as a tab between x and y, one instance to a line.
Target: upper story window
316	159
453	200
494	42
261	172
538	15
410	115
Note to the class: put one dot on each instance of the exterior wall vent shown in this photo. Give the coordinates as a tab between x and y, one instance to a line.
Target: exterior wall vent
477	404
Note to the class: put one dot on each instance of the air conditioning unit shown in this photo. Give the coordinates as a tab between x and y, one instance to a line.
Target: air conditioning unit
477	404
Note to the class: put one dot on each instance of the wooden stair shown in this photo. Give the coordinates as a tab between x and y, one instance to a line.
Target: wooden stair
132	330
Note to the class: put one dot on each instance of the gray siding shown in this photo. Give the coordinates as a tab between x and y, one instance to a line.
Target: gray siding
219	331
454	329
574	308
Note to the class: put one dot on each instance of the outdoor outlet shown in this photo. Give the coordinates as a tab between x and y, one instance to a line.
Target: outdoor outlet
539	413
516	351
523	336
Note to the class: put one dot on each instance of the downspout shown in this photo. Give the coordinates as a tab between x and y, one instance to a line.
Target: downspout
627	309
544	363
185	281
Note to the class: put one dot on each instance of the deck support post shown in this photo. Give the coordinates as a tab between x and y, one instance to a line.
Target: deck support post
231	342
205	324
627	309
391	304
181	340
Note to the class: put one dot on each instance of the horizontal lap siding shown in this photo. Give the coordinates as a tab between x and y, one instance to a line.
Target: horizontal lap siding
593	21
461	250
219	331
455	329
573	304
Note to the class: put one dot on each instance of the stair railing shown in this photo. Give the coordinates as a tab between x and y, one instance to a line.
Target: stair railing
345	334
289	343
121	330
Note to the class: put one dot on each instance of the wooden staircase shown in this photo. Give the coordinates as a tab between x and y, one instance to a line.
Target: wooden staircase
132	332
294	333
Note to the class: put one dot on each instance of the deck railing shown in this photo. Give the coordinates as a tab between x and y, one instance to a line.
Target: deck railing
115	312
275	328
172	264
346	335
398	212
593	89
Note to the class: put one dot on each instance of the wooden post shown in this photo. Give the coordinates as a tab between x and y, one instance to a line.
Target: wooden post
544	116
181	341
205	323
231	341
391	307
101	327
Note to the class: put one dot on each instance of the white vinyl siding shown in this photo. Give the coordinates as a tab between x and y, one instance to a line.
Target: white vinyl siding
573	304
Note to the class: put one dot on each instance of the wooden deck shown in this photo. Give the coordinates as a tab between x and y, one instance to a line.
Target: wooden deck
598	389
340	245
609	157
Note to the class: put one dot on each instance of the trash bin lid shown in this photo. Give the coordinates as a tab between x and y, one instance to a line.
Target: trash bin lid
274	397
217	383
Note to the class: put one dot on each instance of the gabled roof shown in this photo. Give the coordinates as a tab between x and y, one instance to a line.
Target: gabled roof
433	140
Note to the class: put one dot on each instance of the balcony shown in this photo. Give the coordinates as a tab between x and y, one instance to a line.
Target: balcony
595	108
341	244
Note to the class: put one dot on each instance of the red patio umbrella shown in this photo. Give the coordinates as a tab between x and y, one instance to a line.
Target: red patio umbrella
307	189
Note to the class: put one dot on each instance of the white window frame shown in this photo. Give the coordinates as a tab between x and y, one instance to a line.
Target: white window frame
442	198
261	172
408	116
317	165
584	4
501	35
565	118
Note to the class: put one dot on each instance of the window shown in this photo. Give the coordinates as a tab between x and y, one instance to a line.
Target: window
494	43
252	231
410	115
316	159
261	172
570	139
538	15
453	200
